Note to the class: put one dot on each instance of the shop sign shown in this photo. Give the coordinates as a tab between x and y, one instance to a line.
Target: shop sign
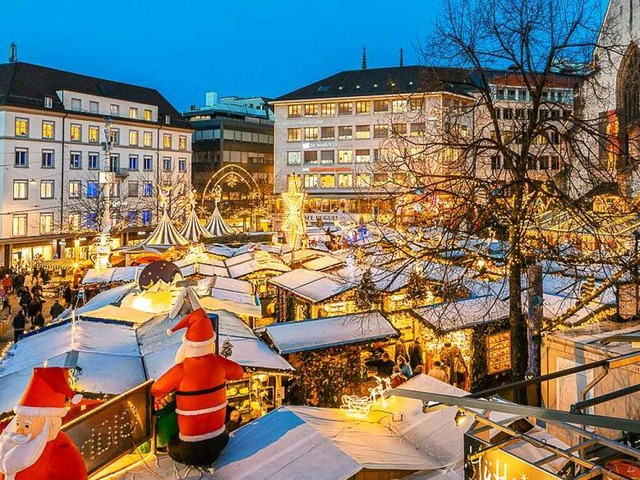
500	465
306	146
114	429
498	352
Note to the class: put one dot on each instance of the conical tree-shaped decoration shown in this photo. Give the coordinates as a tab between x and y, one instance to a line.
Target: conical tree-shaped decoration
192	230
216	226
165	233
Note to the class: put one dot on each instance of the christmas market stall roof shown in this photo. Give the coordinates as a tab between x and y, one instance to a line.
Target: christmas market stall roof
110	275
311	285
159	349
327	332
233	295
465	313
254	262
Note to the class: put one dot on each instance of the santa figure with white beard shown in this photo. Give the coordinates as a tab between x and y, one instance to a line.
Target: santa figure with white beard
32	447
199	382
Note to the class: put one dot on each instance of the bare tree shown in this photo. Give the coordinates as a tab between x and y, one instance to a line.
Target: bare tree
511	151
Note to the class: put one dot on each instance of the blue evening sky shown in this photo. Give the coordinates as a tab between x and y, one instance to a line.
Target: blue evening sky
238	47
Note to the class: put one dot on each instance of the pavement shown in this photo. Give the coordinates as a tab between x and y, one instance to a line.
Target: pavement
5	318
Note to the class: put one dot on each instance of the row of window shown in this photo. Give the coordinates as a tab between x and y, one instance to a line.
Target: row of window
527	113
350	180
328	157
21	159
114	109
360	107
359	132
47	189
236	135
540	163
523	95
93	134
46	221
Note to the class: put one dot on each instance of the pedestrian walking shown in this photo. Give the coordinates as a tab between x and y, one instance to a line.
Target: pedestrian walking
415	353
18	323
38	321
7	283
56	309
438	372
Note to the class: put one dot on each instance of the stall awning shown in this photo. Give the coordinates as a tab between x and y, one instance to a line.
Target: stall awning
290	337
311	285
114	274
63	263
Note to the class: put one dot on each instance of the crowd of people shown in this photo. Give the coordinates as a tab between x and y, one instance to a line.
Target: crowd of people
449	365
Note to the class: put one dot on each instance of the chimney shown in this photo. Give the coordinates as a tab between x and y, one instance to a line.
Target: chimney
364	58
211	98
13	52
402	57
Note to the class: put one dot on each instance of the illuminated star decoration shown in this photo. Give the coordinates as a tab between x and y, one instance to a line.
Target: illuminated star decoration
293	199
158	271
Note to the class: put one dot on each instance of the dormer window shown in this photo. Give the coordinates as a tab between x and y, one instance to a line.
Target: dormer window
48	102
167	119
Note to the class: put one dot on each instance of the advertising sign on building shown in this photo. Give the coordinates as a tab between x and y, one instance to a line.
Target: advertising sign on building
498	352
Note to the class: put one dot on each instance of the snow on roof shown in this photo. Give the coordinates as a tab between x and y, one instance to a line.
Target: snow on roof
289	337
109	297
322	263
465	313
125	314
88	336
251	262
556	305
591	336
312	285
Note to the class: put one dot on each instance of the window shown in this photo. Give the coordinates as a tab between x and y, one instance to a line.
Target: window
495	162
148	139
311	110
147	189
19	224
74	221
114	110
94	160
555	162
114	136
380	131
327	133
327	109
327	180
311	133
93	189
399	129
166	140
133	188
182	164
92	220
48	102
75	160
133	137
363	132
46	189
345	108
48	129
76	132
294	111
133	162
182	142
520	113
294	158
311	181
75	189
345	180
345	156
416	103
381	105
76	104
94	134
327	157
363	180
166	164
544	162
47	159
94	107
531	162
507	113
147	114
147	164
511	94
132	217
311	156
146	217
363	156
21	157
399	106
114	190
22	127
21	189
345	132
417	129
133	112
554	137
363	107
380	178
167	119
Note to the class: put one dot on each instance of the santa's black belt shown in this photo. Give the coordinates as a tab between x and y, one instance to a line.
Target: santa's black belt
200	392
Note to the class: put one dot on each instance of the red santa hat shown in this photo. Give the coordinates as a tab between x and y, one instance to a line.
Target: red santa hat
199	337
47	394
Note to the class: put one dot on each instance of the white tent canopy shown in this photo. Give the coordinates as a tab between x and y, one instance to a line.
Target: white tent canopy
192	230
165	234
216	226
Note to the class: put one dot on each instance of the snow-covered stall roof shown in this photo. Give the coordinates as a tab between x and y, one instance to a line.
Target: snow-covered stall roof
233	295
312	285
252	262
556	305
289	337
114	274
113	296
465	313
159	349
124	314
322	263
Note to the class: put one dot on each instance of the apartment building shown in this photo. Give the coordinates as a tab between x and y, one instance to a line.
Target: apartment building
334	132
62	137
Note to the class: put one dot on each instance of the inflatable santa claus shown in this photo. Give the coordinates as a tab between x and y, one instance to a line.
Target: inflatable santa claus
32	447
198	381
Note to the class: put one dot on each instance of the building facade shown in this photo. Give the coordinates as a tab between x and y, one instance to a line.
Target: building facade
233	132
68	141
